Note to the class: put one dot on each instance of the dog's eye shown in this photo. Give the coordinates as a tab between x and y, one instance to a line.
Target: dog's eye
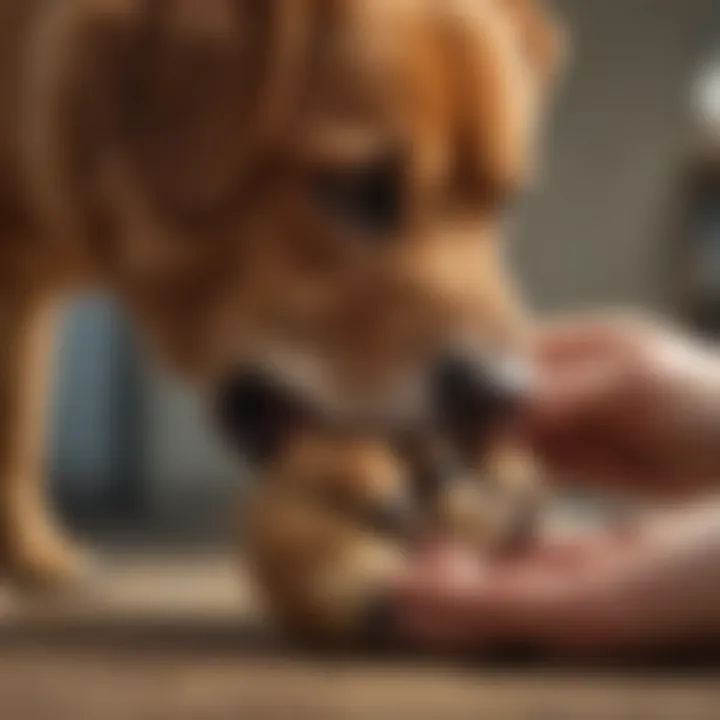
367	198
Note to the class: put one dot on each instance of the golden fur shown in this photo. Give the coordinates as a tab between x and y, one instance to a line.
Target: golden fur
164	151
308	532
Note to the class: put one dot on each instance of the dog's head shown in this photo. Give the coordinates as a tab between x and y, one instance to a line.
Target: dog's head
313	187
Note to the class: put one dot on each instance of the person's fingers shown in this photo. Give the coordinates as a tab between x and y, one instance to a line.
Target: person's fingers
567	344
435	600
606	453
526	602
547	606
569	554
560	594
587	455
560	400
447	586
590	420
572	339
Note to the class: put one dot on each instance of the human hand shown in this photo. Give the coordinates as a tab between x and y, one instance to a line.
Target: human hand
611	591
627	402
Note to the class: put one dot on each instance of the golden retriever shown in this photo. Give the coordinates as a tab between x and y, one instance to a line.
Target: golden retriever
313	187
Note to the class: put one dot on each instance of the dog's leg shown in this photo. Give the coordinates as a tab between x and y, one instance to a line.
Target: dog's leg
33	551
323	580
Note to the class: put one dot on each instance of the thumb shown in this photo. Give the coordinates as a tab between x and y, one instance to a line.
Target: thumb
556	402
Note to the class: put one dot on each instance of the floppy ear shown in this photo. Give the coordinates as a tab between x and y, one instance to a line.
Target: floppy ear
511	53
544	44
181	94
179	84
543	37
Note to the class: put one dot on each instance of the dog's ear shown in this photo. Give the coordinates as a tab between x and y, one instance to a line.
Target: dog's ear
514	58
181	81
186	93
543	38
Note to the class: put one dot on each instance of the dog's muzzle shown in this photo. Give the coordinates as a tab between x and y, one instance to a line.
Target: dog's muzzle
256	414
472	395
469	395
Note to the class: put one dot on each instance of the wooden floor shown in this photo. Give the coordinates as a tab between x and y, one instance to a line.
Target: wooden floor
174	638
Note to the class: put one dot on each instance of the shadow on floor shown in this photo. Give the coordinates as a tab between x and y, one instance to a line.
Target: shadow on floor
196	639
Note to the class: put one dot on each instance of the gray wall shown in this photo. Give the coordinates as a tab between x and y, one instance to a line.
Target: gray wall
184	458
596	231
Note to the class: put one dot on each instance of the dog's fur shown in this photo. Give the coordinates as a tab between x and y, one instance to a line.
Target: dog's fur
330	525
168	150
308	538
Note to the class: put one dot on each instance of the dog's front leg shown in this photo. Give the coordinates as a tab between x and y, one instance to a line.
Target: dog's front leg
33	551
324	581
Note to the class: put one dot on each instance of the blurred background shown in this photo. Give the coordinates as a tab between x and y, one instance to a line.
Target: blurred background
627	212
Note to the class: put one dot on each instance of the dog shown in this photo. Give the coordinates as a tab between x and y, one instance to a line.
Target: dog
312	187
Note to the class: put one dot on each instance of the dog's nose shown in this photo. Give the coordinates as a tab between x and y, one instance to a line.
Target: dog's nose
255	414
474	394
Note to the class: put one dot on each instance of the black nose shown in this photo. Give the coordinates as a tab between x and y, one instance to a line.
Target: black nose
255	414
473	395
